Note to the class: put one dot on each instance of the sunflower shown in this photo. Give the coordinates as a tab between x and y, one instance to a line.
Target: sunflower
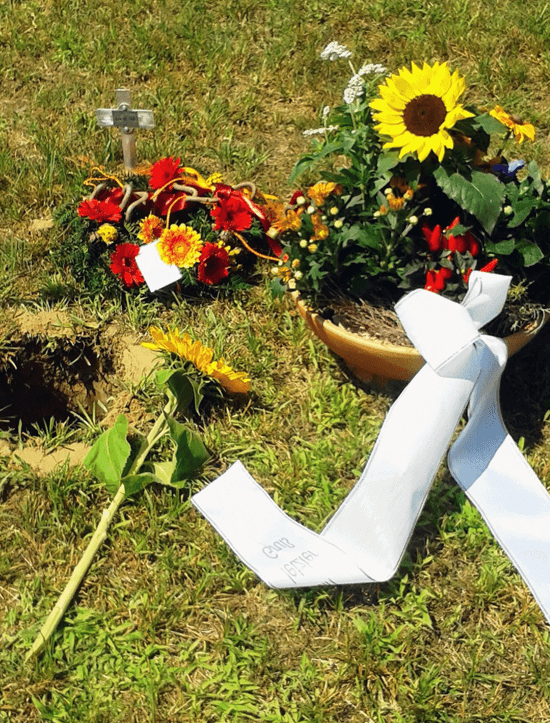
417	107
520	129
200	356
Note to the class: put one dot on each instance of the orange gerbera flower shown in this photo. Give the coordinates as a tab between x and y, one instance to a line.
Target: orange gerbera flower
180	245
520	129
150	228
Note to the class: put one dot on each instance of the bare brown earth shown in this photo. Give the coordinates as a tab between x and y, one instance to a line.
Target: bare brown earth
52	365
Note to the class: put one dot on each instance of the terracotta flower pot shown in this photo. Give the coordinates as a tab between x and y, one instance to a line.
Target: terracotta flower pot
371	360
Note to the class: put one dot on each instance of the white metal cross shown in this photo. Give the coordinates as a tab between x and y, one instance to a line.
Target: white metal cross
127	119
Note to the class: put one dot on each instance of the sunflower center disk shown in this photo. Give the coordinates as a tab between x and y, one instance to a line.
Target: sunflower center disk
424	115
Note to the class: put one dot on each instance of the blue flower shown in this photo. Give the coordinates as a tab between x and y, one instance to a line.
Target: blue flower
507	171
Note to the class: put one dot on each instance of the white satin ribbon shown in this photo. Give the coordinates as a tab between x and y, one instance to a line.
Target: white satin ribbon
368	535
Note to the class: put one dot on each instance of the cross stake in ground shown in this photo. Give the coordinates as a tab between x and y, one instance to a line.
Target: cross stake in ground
127	119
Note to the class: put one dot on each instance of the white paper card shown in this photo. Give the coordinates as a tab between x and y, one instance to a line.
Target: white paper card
156	273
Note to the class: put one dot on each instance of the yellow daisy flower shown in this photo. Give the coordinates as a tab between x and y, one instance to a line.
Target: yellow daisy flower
418	107
521	129
180	245
200	356
150	228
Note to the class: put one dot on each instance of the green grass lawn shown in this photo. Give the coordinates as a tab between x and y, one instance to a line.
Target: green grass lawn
168	625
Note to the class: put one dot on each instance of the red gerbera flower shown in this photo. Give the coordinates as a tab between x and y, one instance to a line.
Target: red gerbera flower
100	211
232	214
123	264
164	171
213	264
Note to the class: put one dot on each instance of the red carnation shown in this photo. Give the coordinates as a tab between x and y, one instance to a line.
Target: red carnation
213	264
166	170
232	214
123	264
100	211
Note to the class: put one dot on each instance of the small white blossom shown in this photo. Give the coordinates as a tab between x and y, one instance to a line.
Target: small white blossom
354	89
326	111
298	275
300	200
413	220
508	210
338	223
428	212
303	243
319	131
334	50
388	191
310	210
372	69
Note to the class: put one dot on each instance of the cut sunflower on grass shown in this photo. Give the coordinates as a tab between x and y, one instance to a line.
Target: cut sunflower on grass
413	187
201	357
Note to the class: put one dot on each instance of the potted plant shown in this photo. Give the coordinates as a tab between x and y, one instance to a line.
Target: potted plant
411	187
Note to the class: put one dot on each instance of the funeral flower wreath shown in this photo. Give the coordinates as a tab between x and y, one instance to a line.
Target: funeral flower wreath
168	218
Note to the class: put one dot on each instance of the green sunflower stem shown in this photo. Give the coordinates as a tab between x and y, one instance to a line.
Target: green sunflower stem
98	537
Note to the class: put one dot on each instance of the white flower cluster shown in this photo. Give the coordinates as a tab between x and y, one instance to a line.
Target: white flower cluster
334	50
354	88
319	131
372	69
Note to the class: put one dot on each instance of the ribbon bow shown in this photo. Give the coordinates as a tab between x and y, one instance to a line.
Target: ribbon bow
368	535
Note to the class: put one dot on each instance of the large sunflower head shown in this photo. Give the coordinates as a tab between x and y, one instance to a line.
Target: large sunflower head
417	108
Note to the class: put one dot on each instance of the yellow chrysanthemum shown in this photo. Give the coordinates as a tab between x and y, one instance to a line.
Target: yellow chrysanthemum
418	107
107	233
200	356
290	221
320	231
521	129
322	190
150	228
180	245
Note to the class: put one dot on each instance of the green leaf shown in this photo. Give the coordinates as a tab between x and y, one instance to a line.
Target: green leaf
482	196
310	160
530	252
534	173
277	287
190	452
502	248
302	165
163	471
489	124
387	161
521	209
107	458
181	387
135	482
